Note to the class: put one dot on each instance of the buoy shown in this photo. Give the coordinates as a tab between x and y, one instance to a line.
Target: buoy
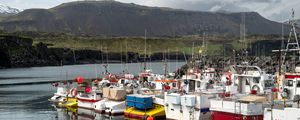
254	92
96	81
150	118
274	90
55	84
229	76
167	87
88	90
65	82
79	79
73	92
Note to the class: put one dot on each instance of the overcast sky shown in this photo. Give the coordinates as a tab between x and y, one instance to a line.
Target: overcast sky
277	10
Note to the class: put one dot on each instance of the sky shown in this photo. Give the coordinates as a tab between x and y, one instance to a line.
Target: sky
276	10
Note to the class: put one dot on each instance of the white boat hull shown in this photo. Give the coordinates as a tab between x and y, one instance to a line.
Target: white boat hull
86	103
282	114
109	107
187	107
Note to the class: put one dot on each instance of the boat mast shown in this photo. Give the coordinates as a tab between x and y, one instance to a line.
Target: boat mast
293	32
291	46
204	45
106	65
145	64
126	49
165	63
243	37
150	52
121	58
168	63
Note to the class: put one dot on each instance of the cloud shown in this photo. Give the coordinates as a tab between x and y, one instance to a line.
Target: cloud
277	10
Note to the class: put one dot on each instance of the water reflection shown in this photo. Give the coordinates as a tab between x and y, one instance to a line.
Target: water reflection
82	114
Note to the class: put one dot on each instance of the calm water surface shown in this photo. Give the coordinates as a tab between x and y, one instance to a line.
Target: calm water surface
30	102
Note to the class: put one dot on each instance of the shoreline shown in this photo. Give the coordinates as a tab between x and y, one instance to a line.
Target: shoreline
92	63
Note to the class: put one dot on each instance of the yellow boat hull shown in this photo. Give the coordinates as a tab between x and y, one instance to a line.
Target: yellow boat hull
157	112
70	102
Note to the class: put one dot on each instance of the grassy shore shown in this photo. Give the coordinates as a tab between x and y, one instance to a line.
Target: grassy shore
215	43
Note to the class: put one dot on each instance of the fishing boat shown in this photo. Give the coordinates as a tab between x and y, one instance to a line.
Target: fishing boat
187	107
70	102
282	113
291	84
191	102
148	102
62	93
245	107
126	79
284	108
88	93
113	101
144	106
248	79
245	95
287	99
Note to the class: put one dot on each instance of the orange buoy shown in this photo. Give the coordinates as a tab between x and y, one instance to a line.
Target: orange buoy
79	79
88	90
150	118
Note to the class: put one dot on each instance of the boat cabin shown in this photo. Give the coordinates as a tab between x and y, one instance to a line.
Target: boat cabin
292	85
196	80
252	78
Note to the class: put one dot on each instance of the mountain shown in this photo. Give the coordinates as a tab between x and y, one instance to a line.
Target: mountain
120	19
6	10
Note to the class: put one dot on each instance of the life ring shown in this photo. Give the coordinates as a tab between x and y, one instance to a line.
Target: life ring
229	76
73	92
135	85
255	87
285	93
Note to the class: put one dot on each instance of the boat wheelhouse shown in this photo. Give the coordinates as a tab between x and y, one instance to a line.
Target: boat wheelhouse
250	78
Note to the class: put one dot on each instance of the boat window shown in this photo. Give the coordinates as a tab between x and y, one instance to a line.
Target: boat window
269	83
145	79
192	86
298	83
289	83
174	84
122	81
256	80
247	82
198	84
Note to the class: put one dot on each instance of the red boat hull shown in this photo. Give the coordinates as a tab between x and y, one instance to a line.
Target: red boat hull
215	115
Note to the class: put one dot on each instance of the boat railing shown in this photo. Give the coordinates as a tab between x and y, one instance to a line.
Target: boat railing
234	68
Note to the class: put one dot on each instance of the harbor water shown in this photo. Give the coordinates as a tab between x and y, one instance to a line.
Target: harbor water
20	99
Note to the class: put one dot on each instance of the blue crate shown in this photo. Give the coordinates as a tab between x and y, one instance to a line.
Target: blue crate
143	102
130	99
